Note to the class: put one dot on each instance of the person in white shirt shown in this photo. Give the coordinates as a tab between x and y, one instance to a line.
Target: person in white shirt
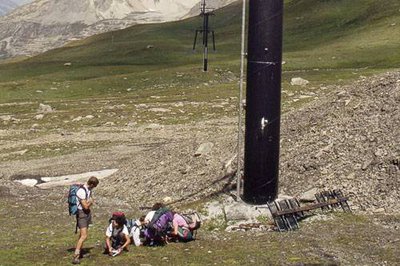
137	231
84	215
149	216
117	236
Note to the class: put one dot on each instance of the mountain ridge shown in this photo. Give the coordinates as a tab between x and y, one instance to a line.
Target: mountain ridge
44	24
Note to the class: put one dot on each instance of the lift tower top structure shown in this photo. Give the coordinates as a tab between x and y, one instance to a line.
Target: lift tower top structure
205	31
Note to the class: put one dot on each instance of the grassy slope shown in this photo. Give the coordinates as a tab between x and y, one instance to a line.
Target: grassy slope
325	35
358	33
343	239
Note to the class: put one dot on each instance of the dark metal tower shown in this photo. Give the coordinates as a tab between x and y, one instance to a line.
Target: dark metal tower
205	30
261	158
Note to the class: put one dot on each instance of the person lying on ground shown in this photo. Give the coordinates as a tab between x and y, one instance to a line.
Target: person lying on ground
137	231
117	236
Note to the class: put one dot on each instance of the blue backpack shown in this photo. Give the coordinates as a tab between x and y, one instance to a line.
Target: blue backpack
72	198
131	223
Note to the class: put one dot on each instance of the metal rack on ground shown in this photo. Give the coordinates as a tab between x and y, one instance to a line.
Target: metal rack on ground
286	213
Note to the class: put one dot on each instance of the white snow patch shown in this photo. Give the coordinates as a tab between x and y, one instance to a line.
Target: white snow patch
28	182
55	181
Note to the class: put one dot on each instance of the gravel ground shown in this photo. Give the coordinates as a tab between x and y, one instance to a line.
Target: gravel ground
346	140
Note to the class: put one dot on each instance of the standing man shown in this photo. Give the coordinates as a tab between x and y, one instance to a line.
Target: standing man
84	216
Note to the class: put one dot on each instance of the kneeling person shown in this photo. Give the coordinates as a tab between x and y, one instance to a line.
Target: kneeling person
180	229
117	236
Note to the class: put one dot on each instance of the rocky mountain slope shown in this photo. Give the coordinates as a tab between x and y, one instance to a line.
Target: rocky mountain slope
210	5
46	24
347	140
6	6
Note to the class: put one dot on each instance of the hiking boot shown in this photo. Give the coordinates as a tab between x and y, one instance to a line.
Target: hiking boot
76	260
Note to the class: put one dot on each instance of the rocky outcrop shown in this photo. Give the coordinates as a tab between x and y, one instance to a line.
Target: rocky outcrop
350	141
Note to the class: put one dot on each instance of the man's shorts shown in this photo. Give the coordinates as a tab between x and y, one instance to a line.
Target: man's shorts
83	219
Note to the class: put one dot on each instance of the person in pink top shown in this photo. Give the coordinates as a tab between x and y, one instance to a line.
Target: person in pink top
177	222
180	229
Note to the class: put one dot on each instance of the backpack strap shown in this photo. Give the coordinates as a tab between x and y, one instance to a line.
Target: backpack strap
157	216
118	231
135	227
86	192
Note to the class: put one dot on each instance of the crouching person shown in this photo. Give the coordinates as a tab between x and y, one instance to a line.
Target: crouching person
157	225
181	230
117	236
